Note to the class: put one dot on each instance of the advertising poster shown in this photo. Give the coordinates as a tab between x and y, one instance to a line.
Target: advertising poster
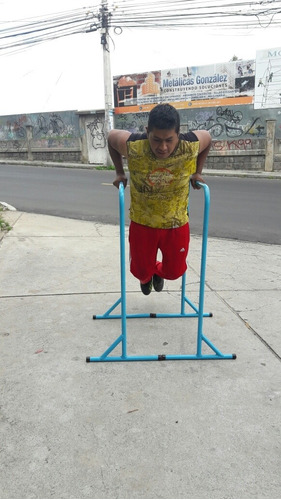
196	86
268	79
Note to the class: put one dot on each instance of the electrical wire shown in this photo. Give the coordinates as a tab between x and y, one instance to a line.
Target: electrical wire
121	14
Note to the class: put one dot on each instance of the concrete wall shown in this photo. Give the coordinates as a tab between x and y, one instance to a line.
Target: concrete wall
243	138
45	136
239	133
66	136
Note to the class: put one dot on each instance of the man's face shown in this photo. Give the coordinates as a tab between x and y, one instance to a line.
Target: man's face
163	142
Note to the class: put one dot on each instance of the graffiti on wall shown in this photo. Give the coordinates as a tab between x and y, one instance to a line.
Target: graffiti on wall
49	130
54	125
96	129
134	122
235	145
13	134
13	129
50	125
227	121
221	122
54	130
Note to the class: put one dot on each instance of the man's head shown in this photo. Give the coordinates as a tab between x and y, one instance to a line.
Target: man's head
164	117
163	130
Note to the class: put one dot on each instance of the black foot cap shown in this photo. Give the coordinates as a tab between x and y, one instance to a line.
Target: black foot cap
161	357
88	359
234	356
95	316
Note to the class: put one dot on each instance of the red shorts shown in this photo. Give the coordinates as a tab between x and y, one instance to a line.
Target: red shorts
144	244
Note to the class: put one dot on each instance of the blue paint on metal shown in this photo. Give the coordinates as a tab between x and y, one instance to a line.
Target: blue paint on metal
199	311
203	265
123	269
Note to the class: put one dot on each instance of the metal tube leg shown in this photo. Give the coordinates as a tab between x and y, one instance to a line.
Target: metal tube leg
183	282
203	266
123	270
123	337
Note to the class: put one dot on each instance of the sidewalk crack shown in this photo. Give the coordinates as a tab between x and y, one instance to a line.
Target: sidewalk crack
252	330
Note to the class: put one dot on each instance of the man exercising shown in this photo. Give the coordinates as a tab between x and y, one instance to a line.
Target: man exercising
161	163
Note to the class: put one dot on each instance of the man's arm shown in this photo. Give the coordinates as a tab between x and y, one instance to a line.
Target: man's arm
205	141
117	147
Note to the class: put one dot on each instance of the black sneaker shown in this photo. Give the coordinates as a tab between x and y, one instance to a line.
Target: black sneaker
158	283
146	287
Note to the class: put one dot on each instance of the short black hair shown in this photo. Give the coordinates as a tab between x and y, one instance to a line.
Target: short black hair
164	117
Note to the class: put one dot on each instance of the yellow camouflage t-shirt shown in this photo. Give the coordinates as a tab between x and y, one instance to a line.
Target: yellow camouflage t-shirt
160	187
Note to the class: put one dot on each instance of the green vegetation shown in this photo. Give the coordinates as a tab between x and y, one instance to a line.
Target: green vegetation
4	226
110	167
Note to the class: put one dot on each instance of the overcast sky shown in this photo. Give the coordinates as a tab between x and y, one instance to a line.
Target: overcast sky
67	74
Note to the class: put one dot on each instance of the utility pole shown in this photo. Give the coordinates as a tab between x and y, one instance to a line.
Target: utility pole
108	109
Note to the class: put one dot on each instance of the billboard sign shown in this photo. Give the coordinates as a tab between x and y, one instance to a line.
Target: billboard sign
268	79
187	86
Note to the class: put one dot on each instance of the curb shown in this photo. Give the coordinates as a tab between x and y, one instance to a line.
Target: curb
258	174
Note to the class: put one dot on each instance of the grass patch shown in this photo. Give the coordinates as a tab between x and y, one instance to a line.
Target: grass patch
103	167
4	226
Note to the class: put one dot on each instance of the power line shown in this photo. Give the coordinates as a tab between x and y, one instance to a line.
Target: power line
121	14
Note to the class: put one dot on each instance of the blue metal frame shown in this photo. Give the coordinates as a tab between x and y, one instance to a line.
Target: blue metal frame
198	311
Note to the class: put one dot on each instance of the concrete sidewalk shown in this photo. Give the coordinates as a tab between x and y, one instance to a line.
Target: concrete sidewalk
173	429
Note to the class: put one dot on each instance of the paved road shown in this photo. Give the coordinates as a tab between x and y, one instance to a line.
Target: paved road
241	208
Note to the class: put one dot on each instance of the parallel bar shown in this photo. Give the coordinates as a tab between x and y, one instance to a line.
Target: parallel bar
199	313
